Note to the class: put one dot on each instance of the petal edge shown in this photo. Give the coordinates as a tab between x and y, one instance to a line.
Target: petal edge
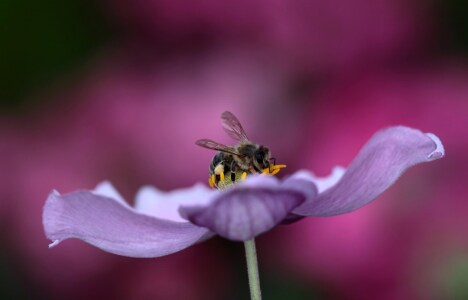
385	157
113	227
249	209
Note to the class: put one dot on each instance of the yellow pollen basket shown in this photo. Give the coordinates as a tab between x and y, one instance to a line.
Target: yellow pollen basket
225	180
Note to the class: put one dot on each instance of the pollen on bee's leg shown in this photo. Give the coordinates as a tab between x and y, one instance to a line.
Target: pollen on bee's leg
211	181
275	171
278	167
221	176
244	176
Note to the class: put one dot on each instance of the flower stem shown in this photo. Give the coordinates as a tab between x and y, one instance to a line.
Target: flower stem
252	270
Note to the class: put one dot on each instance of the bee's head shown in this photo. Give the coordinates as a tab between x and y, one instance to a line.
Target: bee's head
262	158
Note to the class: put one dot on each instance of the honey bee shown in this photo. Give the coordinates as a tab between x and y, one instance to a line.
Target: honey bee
245	156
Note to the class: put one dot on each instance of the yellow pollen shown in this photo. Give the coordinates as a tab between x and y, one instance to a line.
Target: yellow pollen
278	166
275	171
228	179
211	181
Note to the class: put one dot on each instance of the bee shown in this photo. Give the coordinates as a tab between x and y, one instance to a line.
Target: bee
246	156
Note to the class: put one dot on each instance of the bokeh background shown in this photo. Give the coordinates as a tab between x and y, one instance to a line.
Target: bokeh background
120	90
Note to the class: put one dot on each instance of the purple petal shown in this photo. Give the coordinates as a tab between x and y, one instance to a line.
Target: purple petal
113	226
165	205
381	161
251	207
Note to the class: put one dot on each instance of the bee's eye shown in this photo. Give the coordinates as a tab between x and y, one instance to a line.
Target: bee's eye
259	157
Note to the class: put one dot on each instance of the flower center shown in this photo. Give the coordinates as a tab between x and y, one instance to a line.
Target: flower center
221	180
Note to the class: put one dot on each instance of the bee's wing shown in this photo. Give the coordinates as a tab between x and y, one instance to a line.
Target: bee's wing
205	143
233	127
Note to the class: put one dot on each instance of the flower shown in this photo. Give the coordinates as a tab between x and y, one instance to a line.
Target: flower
162	223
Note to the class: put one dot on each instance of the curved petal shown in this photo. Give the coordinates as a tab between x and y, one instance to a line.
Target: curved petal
303	181
379	164
249	208
114	227
165	205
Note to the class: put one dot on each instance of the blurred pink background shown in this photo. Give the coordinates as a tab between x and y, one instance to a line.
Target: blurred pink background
120	90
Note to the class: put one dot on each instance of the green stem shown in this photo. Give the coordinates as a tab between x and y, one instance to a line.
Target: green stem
252	270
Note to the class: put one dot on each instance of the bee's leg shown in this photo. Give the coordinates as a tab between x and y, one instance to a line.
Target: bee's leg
219	177
256	170
233	171
219	172
274	163
212	181
244	175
